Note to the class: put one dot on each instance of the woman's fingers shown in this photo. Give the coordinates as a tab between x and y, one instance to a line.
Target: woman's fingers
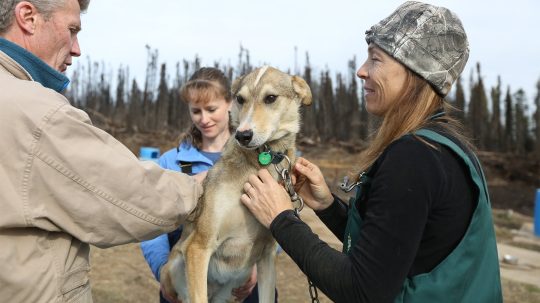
265	177
309	170
255	181
248	187
264	197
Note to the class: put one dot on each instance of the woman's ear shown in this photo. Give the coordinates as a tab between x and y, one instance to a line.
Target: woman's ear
302	90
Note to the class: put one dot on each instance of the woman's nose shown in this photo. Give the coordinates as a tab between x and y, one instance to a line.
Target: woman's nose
362	72
204	117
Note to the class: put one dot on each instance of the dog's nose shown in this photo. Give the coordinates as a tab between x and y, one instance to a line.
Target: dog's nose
244	137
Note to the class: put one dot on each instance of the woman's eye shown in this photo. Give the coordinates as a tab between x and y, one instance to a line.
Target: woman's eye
270	99
239	99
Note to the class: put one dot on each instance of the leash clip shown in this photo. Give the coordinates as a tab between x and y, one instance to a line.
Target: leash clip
346	187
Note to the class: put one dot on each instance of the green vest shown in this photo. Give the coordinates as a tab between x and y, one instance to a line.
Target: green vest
470	273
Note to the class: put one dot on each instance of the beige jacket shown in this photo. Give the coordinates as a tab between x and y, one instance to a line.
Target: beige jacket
65	184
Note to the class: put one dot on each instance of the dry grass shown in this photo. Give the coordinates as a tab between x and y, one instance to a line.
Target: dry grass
120	274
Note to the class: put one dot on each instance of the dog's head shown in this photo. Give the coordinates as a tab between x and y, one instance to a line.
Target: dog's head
266	106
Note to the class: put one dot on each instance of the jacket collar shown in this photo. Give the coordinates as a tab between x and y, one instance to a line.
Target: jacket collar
38	70
188	153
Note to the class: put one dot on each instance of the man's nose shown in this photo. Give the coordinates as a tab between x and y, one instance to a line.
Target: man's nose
75	48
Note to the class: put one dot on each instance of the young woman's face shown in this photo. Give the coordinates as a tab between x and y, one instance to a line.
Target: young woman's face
384	80
211	118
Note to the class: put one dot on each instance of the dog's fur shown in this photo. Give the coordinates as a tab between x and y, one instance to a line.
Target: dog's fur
217	251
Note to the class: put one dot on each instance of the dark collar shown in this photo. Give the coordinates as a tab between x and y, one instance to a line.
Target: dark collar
266	156
39	71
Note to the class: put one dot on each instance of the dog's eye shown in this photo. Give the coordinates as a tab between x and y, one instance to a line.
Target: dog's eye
239	99
270	99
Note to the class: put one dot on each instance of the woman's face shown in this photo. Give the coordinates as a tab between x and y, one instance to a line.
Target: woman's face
384	80
211	118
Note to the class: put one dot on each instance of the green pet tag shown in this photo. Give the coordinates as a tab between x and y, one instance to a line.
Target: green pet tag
265	158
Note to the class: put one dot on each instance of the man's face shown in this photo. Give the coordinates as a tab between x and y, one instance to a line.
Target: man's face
55	39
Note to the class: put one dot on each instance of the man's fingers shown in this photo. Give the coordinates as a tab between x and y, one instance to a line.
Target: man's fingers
200	176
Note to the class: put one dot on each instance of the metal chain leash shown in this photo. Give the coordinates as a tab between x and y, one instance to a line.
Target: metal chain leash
313	292
285	174
298	203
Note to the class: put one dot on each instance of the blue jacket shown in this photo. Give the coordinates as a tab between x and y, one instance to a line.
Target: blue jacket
185	153
156	251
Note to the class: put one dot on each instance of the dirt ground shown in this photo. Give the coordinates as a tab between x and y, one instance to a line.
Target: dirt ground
120	274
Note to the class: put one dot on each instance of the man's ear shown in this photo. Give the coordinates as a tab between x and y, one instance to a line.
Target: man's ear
26	17
302	90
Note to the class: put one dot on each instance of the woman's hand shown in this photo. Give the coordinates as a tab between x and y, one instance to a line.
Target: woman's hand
169	297
264	197
245	290
310	185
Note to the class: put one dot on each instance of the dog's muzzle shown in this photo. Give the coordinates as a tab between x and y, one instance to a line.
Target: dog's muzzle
244	137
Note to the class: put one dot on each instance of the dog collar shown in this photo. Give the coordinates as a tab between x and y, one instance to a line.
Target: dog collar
268	156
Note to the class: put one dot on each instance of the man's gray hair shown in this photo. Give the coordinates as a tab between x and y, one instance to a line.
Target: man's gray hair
45	7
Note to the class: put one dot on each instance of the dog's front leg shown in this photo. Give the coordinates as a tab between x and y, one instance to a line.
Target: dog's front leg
197	259
266	275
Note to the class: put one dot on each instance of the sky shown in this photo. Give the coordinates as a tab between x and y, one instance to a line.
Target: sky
503	35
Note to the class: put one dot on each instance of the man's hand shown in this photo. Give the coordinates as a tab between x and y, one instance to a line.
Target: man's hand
200	176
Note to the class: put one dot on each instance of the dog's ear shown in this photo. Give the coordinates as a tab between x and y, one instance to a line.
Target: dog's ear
236	85
301	88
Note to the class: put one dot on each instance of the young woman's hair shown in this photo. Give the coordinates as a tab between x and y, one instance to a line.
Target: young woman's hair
411	112
206	84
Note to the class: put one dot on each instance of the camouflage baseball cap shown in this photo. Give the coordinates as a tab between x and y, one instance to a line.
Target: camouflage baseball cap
429	40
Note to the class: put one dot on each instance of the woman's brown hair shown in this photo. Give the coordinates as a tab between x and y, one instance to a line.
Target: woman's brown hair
411	112
206	84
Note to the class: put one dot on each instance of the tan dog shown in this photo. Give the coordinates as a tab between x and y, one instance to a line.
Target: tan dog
219	248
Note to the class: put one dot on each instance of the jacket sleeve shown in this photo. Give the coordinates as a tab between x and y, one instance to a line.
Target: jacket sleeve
156	252
335	217
82	181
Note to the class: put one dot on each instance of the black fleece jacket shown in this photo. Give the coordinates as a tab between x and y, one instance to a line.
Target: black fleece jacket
417	210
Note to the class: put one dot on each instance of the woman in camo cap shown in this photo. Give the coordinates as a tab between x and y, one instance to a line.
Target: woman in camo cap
419	228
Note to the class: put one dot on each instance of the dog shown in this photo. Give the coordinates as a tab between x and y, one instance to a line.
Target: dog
222	241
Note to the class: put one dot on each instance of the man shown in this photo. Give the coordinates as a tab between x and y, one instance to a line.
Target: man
65	184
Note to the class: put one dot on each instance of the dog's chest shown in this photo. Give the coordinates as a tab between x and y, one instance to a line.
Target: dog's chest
235	255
